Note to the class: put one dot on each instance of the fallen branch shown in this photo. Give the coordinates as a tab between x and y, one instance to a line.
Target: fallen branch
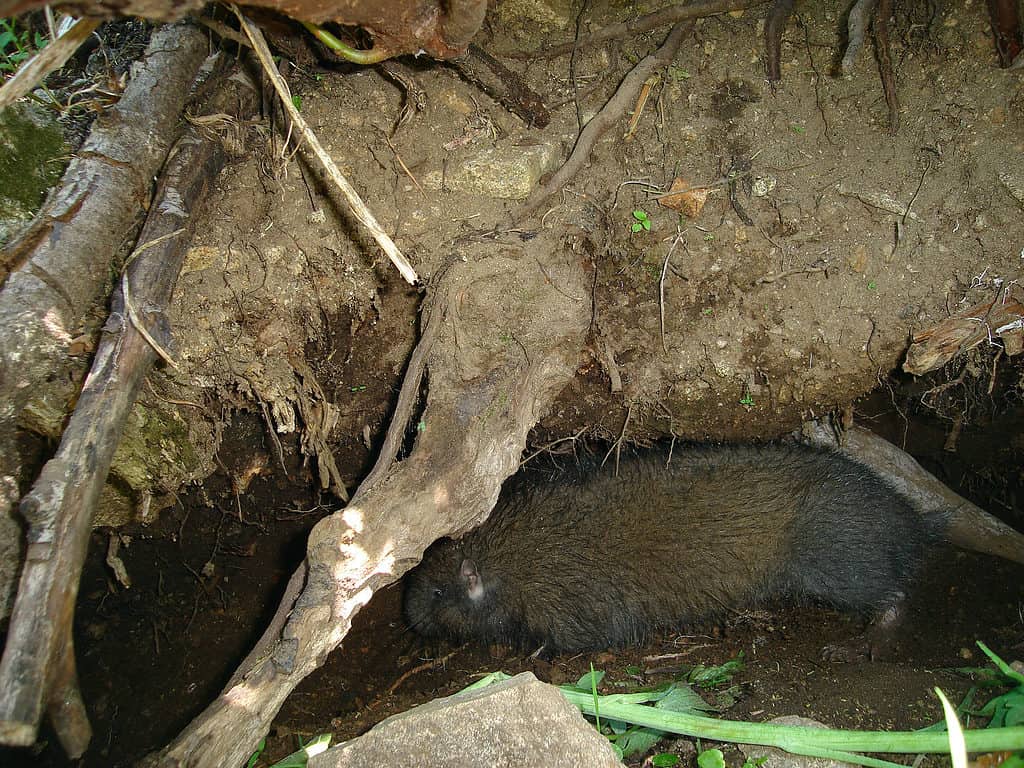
609	115
667	16
970	527
359	209
484	397
38	666
61	265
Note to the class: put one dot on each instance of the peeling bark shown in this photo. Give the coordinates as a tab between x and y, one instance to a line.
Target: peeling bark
485	395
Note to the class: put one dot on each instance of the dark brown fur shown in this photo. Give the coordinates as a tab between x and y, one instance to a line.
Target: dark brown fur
591	560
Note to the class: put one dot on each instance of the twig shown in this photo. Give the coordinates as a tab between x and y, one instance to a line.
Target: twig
902	223
810	270
129	305
671	15
405	168
617	445
51	58
357	206
421	668
548	446
605	119
661	288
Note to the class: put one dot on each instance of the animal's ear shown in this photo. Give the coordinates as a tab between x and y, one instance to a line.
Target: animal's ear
471	579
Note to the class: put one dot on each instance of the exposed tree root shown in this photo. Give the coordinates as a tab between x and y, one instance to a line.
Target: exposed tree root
503	85
856	27
881	29
774	26
485	395
1006	30
609	116
38	667
970	527
673	14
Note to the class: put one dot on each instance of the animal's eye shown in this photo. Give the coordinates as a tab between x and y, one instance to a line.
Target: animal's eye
438	592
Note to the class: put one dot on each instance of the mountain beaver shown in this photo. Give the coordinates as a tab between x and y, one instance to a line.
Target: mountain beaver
594	560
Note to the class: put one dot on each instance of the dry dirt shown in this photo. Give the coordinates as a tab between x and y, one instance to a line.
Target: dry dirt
292	342
858	238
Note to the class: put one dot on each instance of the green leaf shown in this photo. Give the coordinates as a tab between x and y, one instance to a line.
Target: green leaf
297	102
682	698
664	760
300	758
1005	668
590	680
255	756
638	740
711	758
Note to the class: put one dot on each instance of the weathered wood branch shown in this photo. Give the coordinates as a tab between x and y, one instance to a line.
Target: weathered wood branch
37	671
970	527
61	266
485	395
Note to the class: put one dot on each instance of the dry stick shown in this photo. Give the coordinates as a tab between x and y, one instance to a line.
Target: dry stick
774	26
605	119
51	58
881	27
357	206
59	267
663	18
38	666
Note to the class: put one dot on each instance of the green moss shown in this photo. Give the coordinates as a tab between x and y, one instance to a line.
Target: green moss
32	159
155	445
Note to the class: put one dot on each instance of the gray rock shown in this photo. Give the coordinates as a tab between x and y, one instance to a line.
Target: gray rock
507	171
517	722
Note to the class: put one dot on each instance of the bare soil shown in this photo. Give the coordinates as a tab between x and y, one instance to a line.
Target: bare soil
280	316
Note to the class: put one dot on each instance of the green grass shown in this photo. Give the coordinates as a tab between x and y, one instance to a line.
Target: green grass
17	43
